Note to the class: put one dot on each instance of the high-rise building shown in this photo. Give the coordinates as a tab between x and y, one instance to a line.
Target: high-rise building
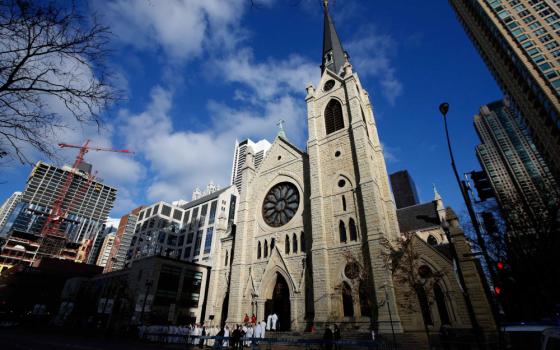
259	150
7	208
90	204
123	239
520	43
200	221
521	179
105	251
87	204
404	189
186	232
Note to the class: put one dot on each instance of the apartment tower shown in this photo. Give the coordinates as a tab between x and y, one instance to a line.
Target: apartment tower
259	149
520	42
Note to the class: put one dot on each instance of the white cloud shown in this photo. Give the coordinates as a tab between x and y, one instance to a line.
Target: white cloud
182	28
371	55
181	160
271	78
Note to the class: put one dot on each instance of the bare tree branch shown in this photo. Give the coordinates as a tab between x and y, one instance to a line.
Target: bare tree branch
50	55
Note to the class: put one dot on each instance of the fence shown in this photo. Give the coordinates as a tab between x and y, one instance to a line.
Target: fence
267	343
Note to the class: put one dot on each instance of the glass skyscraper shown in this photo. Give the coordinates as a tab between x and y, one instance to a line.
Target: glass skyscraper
520	42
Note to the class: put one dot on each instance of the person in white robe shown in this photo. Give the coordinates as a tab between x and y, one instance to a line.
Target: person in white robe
263	329
258	330
274	319
269	322
196	333
249	335
210	332
226	335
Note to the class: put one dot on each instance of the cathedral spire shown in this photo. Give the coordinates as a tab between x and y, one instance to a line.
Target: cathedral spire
334	56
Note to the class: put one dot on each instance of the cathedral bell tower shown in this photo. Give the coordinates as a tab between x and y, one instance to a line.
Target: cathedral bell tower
353	215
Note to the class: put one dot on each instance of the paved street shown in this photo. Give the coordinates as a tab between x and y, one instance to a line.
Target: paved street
25	339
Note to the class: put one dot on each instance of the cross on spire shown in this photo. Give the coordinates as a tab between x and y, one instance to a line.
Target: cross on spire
281	131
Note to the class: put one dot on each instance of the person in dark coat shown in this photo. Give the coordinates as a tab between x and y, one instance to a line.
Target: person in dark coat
235	337
328	338
337	336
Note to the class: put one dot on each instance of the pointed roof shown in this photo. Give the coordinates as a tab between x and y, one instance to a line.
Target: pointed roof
333	53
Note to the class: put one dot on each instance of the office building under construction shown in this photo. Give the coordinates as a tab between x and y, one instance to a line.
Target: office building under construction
84	201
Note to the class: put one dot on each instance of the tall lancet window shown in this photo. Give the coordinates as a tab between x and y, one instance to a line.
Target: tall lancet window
287	245
265	249
342	231
333	117
353	231
294	244
259	250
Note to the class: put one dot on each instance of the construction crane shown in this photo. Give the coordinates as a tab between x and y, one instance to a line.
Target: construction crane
52	239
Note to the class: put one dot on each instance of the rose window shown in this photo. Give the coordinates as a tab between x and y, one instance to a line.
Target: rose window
280	204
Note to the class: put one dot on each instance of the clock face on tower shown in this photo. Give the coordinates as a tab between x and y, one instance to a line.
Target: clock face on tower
280	204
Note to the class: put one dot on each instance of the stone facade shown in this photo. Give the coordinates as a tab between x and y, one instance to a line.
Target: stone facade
323	258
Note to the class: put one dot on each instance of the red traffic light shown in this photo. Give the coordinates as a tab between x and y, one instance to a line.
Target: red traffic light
500	265
497	290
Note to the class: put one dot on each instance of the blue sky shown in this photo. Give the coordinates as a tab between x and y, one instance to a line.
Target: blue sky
198	74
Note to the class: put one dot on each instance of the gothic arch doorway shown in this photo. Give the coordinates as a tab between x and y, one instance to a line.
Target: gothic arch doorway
279	303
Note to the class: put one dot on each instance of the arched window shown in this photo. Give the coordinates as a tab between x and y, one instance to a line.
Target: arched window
353	231
259	250
287	245
347	302
333	117
294	243
342	231
441	305
265	249
302	242
343	203
227	258
365	306
424	305
272	244
432	240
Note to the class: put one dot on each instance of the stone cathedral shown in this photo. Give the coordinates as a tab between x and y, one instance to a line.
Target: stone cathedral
314	227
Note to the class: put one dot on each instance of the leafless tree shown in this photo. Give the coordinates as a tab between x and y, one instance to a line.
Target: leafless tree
52	74
414	279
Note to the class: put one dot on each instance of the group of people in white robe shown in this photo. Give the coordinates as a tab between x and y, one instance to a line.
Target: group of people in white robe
178	334
237	336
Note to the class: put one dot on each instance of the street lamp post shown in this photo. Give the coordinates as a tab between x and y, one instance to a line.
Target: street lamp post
468	303
444	108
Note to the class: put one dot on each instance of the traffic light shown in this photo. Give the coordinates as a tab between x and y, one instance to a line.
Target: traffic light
500	265
482	185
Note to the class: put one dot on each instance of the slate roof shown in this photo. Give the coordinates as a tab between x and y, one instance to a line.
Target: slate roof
418	217
331	42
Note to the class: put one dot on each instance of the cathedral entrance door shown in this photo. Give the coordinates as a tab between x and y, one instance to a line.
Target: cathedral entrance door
280	303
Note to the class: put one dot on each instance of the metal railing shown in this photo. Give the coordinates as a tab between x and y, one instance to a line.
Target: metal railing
266	343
